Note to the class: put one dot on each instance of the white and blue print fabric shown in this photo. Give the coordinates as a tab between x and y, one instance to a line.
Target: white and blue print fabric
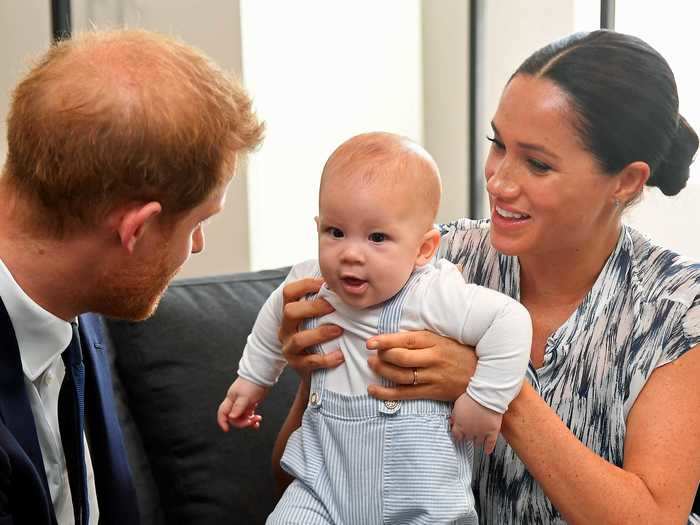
642	312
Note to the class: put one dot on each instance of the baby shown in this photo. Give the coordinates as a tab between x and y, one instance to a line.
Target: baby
357	459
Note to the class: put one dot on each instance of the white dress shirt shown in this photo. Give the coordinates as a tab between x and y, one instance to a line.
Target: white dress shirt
42	337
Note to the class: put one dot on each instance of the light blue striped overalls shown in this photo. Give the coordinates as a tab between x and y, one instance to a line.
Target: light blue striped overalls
361	461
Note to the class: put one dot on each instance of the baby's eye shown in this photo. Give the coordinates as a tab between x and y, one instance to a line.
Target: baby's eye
377	237
336	232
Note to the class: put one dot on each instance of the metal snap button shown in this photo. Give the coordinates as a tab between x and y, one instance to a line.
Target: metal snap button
391	405
314	399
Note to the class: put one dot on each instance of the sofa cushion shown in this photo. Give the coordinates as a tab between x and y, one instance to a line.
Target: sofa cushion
150	508
175	368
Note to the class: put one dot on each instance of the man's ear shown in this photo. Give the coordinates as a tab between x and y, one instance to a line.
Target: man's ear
428	247
130	222
631	180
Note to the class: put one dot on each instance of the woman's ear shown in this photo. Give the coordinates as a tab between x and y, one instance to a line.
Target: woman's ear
630	181
129	223
428	247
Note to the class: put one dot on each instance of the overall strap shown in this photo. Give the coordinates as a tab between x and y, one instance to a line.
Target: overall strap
318	377
389	322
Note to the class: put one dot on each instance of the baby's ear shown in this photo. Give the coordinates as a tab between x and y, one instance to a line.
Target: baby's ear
428	247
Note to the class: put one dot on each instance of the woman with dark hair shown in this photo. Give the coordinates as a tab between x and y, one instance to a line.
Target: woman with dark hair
606	429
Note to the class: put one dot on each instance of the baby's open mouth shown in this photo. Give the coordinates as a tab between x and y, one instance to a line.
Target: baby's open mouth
353	284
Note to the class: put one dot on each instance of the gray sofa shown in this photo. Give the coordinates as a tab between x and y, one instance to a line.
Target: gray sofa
170	374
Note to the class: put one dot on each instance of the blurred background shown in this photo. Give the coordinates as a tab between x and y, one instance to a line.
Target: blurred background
321	71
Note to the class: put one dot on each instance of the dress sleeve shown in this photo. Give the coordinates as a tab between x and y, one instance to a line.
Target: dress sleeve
684	336
691	324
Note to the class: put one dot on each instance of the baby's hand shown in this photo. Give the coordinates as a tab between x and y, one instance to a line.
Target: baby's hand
238	407
475	422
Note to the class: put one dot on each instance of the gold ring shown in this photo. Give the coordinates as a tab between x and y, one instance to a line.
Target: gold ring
415	377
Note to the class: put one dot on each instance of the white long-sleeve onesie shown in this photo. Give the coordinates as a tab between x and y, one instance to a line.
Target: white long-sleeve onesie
438	300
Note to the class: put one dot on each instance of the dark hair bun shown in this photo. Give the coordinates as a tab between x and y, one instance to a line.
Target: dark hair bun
626	100
672	173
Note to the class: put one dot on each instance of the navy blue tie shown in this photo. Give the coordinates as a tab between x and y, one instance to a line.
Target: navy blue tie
71	422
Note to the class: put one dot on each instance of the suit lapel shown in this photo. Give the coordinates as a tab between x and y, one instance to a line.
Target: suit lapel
115	491
15	410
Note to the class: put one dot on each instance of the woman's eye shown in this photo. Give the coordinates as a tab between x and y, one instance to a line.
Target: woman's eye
377	237
538	166
496	143
336	232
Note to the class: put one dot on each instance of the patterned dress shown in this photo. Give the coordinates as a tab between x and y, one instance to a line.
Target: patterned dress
642	312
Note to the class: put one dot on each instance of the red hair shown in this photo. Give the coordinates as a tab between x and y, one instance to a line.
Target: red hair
114	117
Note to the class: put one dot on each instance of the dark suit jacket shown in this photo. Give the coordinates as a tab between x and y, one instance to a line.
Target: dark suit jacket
24	494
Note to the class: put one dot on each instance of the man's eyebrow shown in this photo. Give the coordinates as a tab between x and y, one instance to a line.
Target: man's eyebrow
529	146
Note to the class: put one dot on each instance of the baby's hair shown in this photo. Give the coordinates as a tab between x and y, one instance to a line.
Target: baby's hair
387	158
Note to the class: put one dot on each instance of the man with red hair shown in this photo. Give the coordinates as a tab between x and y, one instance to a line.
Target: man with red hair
120	145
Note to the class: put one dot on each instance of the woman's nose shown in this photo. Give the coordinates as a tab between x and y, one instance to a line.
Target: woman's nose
502	181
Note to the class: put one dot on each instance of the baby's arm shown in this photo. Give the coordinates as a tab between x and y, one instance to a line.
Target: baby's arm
501	330
475	422
238	407
262	361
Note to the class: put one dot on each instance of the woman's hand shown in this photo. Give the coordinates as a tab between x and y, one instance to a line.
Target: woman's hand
423	366
294	342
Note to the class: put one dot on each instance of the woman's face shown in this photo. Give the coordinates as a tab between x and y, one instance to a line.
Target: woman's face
548	194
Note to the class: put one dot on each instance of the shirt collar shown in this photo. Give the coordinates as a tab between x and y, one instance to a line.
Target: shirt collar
41	336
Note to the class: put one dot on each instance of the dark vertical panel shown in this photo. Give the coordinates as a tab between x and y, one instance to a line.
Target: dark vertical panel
607	14
475	180
60	19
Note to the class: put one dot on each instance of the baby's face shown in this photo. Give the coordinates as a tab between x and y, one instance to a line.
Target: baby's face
369	239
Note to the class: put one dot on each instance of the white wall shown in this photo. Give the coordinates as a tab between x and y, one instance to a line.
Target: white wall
321	72
446	99
26	32
315	83
673	222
